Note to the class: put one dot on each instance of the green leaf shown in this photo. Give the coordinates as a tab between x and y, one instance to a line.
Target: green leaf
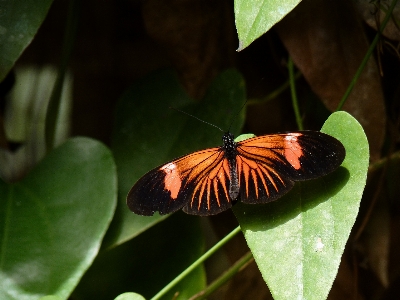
298	240
254	17
148	262
19	22
243	137
147	133
130	296
54	220
51	297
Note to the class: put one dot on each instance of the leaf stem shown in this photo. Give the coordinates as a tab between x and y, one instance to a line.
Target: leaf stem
197	263
55	98
294	95
367	56
228	274
381	163
275	93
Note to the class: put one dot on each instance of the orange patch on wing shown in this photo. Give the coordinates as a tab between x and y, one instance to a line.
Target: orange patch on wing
214	172
251	163
246	172
239	163
208	193
223	175
172	179
293	150
260	171
271	179
202	188
255	182
215	186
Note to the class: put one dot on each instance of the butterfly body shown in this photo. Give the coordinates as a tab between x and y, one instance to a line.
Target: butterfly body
256	170
230	152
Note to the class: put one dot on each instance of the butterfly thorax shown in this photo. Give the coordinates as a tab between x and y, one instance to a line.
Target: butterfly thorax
229	145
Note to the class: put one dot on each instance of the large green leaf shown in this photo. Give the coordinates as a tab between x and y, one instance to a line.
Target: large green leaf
148	133
19	22
148	262
255	17
53	220
298	240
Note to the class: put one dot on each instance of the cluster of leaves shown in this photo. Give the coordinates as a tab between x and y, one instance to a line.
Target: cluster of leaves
64	227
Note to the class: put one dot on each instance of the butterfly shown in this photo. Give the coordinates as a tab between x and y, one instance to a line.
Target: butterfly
256	170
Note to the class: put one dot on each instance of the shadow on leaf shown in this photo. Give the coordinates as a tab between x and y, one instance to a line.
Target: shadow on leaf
304	196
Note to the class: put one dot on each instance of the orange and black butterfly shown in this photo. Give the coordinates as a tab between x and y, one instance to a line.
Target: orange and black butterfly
256	170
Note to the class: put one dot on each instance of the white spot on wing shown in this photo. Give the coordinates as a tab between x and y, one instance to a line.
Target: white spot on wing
168	168
291	138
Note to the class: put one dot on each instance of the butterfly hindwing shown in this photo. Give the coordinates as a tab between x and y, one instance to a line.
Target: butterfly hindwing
209	188
268	165
196	182
260	181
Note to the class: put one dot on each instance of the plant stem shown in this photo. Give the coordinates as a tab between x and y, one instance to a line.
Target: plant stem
367	56
294	95
275	93
55	99
197	263
228	274
381	163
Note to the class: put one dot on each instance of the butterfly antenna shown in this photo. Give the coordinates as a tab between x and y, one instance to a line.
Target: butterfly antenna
181	111
244	104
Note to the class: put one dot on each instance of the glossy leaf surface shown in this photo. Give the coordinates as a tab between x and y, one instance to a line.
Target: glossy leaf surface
149	133
55	219
298	240
253	18
19	22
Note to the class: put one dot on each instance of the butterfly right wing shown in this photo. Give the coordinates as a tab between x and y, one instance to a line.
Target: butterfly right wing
198	183
269	165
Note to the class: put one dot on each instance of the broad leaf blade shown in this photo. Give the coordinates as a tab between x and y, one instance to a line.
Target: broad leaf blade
55	219
298	240
148	133
253	17
149	262
19	22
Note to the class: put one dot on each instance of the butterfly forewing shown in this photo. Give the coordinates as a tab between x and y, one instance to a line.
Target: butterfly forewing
197	182
269	165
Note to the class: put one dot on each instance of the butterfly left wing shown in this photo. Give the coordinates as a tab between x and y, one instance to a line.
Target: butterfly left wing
196	182
268	165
